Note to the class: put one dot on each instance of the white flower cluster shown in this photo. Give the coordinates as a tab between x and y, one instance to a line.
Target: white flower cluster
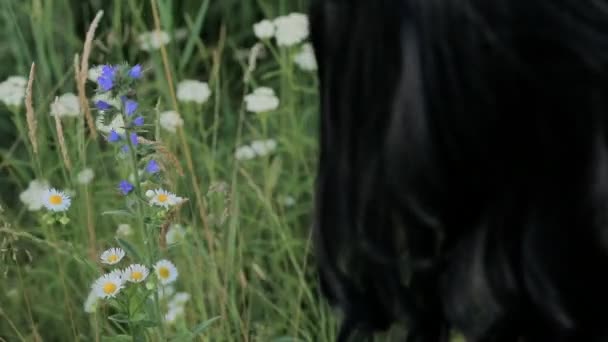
66	105
193	91
153	40
288	30
171	121
12	91
262	100
257	148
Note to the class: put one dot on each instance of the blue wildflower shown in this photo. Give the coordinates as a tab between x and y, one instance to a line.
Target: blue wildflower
152	167
135	72
130	107
106	79
139	121
125	148
125	187
134	139
102	105
113	137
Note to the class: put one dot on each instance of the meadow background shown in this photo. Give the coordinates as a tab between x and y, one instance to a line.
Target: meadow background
245	257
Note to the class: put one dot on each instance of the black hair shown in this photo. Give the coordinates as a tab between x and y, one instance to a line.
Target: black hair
463	170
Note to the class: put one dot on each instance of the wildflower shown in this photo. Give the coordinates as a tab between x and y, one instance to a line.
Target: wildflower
90	304
150	193
124	230
152	167
102	105
125	149
139	121
130	107
264	29
55	200
118	273
136	273
170	121
85	176
263	147
107	98
133	137
165	271
113	136
193	91
173	314
106	78
163	198
175	234
112	256
262	100
12	91
291	29
153	40
94	73
135	72
179	299
244	153
108	285
125	187
305	59
33	196
66	105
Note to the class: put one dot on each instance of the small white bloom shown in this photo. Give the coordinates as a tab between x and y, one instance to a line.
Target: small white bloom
165	291
153	40
112	256
173	314
264	29
291	29
164	198
180	299
66	105
108	285
90	304
170	121
12	91
124	230
262	100
55	200
305	59
288	201
85	176
94	73
175	234
165	271
149	193
244	153
193	91
33	196
263	147
136	273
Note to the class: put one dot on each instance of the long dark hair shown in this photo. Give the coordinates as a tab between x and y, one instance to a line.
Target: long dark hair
463	173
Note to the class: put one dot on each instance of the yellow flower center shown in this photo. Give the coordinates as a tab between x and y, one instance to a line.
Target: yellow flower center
163	272
109	288
162	198
55	199
113	258
137	276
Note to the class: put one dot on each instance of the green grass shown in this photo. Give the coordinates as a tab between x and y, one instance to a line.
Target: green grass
258	278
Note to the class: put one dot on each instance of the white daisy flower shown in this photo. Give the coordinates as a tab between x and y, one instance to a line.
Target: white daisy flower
165	291
291	29
305	59
244	153
12	91
165	271
153	40
85	176
94	73
193	91
55	200
180	299
112	256
124	230
264	29
33	196
164	198
108	285
136	273
90	304
263	147
262	100
173	314
170	121
176	234
66	105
